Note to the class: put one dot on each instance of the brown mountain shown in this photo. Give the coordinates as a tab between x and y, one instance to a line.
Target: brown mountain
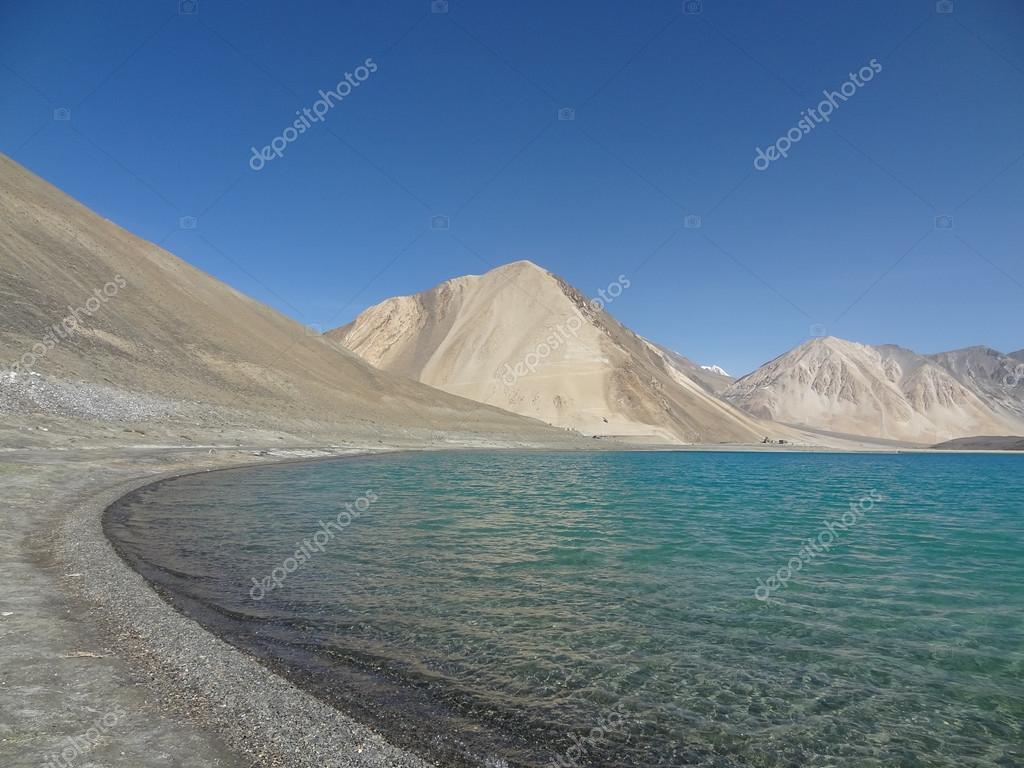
997	378
883	392
523	339
100	325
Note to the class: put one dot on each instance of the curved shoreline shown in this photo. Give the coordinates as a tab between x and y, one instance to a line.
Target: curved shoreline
201	679
255	711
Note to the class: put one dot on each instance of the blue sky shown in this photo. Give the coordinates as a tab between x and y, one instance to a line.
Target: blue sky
460	119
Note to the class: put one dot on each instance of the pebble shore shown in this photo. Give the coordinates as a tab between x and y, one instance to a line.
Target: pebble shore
182	692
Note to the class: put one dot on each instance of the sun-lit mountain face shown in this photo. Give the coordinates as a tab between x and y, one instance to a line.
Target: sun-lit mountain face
99	324
523	339
885	391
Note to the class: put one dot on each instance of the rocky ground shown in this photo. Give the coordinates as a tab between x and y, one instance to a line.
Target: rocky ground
98	667
32	392
100	671
983	444
66	695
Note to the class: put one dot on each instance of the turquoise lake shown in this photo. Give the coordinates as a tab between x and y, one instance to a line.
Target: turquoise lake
621	609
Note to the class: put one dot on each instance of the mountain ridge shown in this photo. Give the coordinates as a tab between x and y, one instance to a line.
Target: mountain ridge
164	332
884	391
999	377
522	338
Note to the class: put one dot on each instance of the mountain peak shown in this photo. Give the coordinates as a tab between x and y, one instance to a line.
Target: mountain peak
523	339
828	345
223	356
522	265
883	391
974	349
828	341
716	369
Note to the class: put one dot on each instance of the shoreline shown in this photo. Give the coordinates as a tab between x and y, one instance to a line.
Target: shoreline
307	684
86	635
255	711
92	634
87	632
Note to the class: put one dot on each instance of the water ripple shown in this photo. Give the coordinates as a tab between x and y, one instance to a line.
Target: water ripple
522	604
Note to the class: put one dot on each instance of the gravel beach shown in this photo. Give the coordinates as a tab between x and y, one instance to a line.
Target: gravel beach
99	670
102	671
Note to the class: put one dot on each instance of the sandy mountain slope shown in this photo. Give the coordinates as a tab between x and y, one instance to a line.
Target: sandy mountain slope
520	338
1018	355
886	392
713	378
98	320
983	444
996	378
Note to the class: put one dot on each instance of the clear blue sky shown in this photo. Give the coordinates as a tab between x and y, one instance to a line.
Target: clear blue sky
460	120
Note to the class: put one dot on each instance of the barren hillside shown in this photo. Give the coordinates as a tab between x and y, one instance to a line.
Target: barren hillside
886	392
523	339
100	325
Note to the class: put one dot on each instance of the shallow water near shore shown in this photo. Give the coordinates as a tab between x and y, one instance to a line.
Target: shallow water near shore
621	609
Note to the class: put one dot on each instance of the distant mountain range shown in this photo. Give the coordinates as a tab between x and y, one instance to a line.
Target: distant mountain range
886	391
100	326
523	339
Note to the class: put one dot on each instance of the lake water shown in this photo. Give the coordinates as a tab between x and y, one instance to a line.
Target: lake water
621	609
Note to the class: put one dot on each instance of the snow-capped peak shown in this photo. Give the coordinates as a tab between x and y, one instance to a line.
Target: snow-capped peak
716	369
